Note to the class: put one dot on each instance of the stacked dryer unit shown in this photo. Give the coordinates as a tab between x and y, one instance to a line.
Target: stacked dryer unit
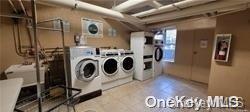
82	70
126	66
109	68
158	54
142	46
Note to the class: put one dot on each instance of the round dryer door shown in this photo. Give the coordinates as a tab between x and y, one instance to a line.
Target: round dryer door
86	70
109	66
93	29
158	54
127	64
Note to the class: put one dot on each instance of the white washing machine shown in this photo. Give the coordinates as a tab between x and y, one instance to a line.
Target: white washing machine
158	54
83	71
109	62
127	66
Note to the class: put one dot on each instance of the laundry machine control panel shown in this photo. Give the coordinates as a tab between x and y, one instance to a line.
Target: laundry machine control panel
75	52
109	53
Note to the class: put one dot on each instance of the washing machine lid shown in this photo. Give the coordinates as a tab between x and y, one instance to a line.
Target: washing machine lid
87	70
110	66
158	54
127	64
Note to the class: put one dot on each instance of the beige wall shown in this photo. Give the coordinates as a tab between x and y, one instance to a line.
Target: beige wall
53	39
186	31
233	78
183	56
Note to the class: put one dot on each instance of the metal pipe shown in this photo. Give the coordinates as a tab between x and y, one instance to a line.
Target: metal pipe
48	20
22	6
34	22
16	16
52	48
17	42
27	21
19	39
14	36
29	34
50	29
64	61
12	5
45	28
25	13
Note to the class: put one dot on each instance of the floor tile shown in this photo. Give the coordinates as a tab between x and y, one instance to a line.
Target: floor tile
131	97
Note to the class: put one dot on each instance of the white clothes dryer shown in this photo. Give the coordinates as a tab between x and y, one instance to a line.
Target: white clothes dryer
109	62
127	66
158	55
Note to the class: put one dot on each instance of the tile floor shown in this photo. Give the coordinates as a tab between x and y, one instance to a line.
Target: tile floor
130	97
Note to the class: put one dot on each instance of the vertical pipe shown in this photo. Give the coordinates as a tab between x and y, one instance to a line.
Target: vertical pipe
64	60
22	6
12	5
34	23
19	39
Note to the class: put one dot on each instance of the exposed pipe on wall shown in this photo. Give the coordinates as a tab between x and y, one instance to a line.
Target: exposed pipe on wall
12	5
27	23
29	34
15	16
18	45
22	6
19	39
15	42
107	13
34	25
27	52
16	24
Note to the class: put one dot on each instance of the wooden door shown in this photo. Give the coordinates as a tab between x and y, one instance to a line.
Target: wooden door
202	54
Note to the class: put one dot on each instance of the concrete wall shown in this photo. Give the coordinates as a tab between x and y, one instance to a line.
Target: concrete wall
233	78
